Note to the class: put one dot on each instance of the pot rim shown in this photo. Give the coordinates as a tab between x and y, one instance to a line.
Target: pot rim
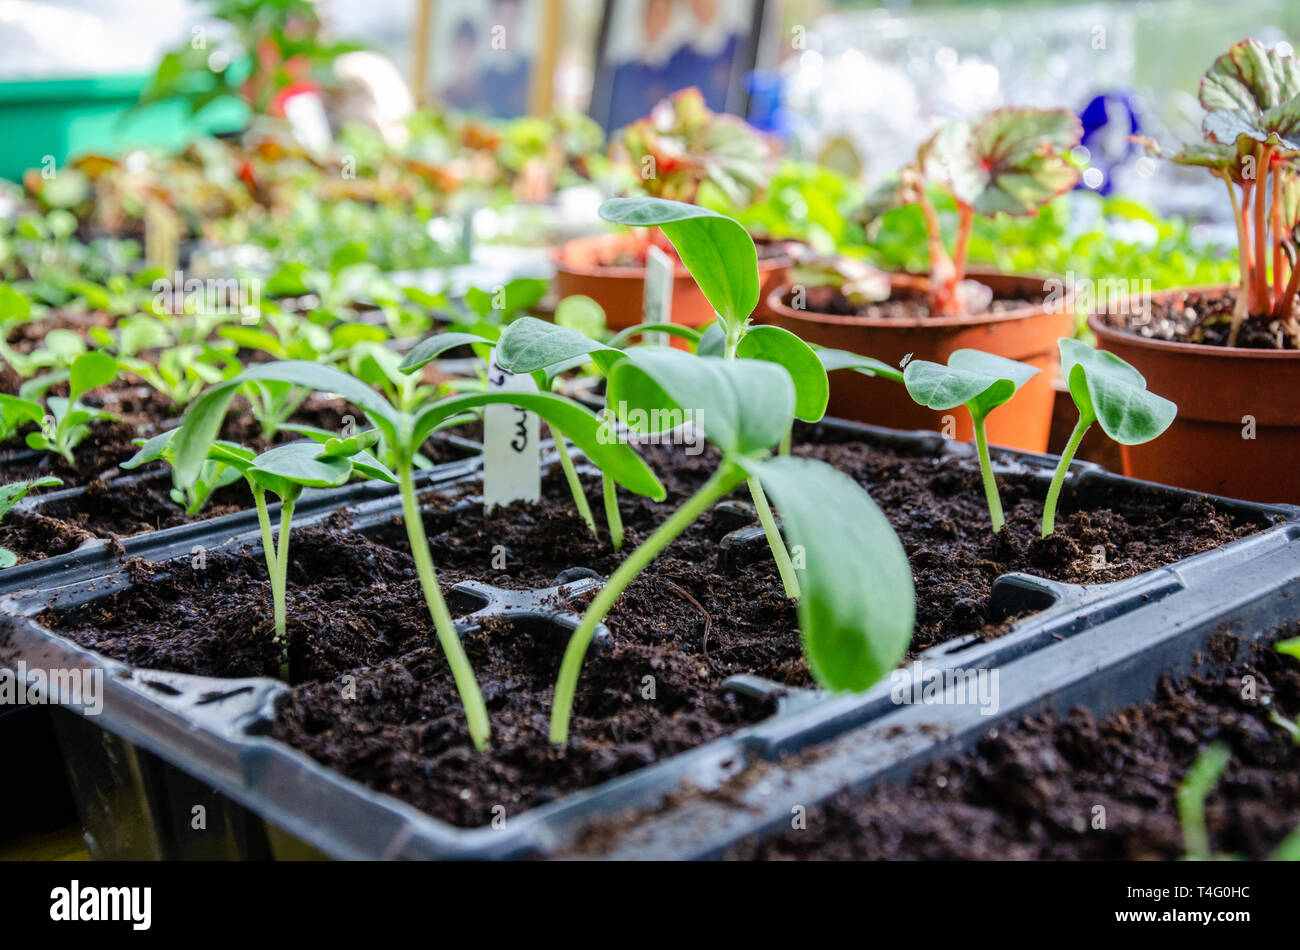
776	304
1104	331
615	271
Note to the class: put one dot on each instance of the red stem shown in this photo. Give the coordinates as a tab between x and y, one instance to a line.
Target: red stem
965	220
943	284
1261	234
1247	256
1286	300
1278	256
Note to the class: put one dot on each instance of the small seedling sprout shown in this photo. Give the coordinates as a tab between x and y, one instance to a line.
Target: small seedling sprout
1109	391
979	381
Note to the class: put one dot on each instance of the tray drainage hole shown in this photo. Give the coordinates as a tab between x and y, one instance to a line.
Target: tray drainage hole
462	602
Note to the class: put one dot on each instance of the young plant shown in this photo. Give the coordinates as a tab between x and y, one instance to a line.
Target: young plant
10	495
721	256
1251	96
404	431
979	381
856	607
1292	726
1011	161
1192	793
1107	390
216	472
68	420
284	471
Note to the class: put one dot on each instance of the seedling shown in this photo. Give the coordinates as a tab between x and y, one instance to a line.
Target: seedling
1107	390
1196	786
68	420
404	431
1192	793
1290	648
1251	96
216	472
10	495
284	471
546	378
979	381
856	607
1011	161
181	372
721	257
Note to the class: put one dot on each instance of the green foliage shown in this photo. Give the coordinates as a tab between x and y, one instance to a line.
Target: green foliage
1107	390
68	420
979	381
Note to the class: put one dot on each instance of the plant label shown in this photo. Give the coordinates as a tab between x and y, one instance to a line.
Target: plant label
162	234
511	457
657	301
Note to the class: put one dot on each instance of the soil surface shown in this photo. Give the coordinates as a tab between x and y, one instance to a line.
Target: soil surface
1030	789
371	693
902	304
119	503
1205	316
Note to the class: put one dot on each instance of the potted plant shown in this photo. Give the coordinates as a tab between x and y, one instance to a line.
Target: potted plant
1011	161
1237	437
677	151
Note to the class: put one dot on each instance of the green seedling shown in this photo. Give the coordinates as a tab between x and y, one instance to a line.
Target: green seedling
10	495
721	257
404	431
1192	793
979	381
67	421
285	472
216	472
1109	391
181	372
1292	726
1195	788
857	606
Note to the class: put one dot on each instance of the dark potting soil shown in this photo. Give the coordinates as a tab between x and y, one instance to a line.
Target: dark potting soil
1031	790
903	304
1203	316
371	693
118	503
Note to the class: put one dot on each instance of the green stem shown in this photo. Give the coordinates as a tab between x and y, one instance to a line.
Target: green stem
571	476
280	585
613	517
272	556
1054	490
475	709
717	487
774	540
986	472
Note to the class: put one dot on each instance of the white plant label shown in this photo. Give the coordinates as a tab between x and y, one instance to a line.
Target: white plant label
657	300
512	459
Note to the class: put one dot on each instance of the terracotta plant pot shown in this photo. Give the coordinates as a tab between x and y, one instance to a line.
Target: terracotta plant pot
580	269
1220	391
1028	334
